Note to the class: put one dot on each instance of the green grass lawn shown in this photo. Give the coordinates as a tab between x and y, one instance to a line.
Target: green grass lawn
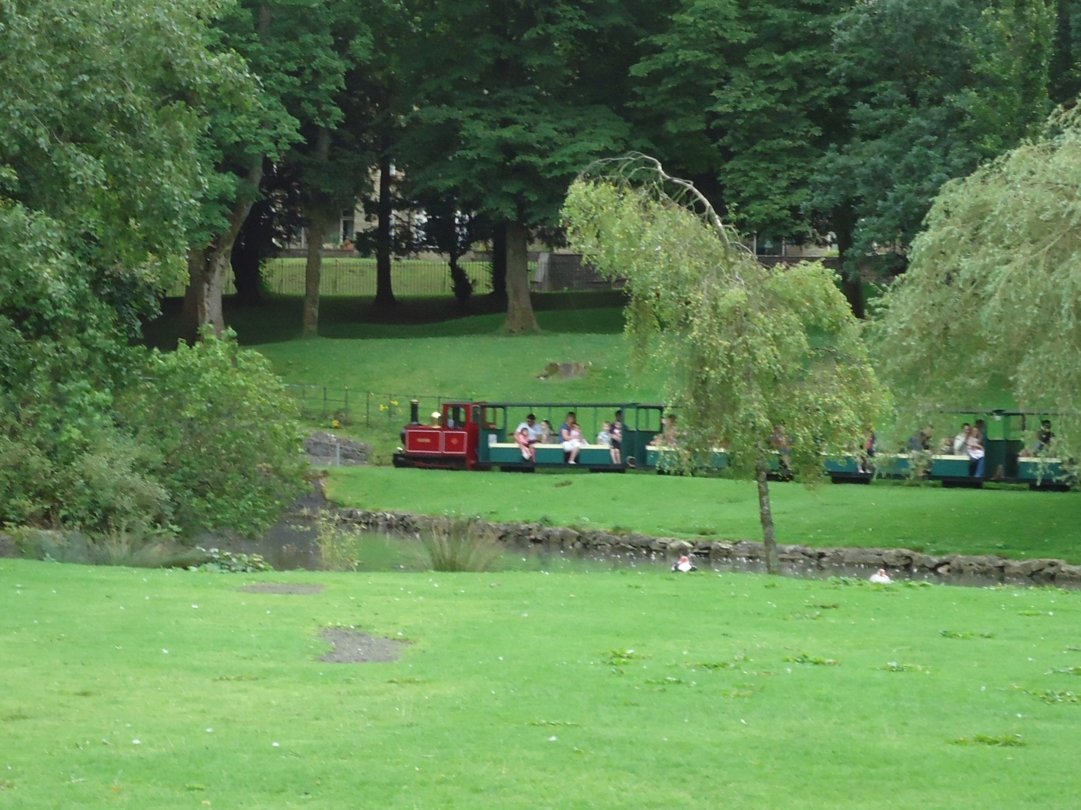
1010	523
279	317
383	364
638	688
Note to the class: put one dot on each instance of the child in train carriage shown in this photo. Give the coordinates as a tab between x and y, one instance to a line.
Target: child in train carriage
547	432
525	443
616	433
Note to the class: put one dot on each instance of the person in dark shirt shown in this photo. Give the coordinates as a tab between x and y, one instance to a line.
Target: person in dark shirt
1043	437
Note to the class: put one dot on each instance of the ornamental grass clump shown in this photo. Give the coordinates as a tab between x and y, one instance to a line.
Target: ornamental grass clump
461	544
338	544
132	548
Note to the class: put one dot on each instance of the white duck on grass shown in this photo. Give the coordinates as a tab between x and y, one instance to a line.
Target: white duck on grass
684	565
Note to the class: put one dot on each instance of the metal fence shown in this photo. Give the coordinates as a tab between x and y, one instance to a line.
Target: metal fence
355	276
359	407
350	275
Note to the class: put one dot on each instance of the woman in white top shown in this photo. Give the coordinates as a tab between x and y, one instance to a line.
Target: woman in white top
571	435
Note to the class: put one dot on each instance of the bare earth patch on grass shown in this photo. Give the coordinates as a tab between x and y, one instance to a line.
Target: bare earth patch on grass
355	647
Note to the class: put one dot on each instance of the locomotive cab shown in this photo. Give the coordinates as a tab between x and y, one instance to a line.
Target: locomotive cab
450	442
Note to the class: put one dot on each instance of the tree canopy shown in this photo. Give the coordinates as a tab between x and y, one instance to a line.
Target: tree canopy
102	163
503	117
990	308
930	89
767	362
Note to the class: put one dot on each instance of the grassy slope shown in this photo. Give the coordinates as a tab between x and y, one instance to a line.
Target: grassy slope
136	689
461	358
1018	524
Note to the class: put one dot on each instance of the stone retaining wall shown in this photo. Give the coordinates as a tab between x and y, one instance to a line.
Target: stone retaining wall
745	555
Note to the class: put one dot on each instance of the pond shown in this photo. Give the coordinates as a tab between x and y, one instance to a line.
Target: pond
295	544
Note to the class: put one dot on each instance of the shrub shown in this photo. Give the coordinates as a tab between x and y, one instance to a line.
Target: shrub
229	562
226	432
339	547
132	549
461	544
63	462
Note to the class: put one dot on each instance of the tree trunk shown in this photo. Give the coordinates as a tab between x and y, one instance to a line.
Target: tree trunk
520	317
844	223
319	215
499	261
384	292
202	299
207	265
313	269
765	517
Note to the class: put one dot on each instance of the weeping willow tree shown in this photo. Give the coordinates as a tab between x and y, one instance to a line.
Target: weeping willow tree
989	311
767	362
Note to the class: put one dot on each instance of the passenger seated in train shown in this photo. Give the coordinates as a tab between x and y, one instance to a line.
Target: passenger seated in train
1042	445
525	443
667	436
781	445
920	441
616	433
870	447
571	436
547	432
532	428
960	441
976	455
1044	437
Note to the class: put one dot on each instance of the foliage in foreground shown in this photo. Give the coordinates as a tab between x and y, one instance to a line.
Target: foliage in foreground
100	171
63	459
761	360
585	688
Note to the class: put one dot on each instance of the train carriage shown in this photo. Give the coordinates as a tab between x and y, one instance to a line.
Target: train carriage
478	435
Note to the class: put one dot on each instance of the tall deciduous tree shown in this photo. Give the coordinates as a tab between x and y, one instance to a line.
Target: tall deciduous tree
742	100
243	130
331	161
293	48
767	361
99	170
991	301
1066	59
97	131
501	120
931	88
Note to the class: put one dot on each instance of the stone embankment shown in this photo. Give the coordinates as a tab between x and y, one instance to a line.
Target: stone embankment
745	555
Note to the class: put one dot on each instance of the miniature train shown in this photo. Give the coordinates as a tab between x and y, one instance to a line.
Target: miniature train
480	436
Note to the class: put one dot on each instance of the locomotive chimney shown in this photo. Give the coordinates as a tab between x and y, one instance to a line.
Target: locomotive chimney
414	412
